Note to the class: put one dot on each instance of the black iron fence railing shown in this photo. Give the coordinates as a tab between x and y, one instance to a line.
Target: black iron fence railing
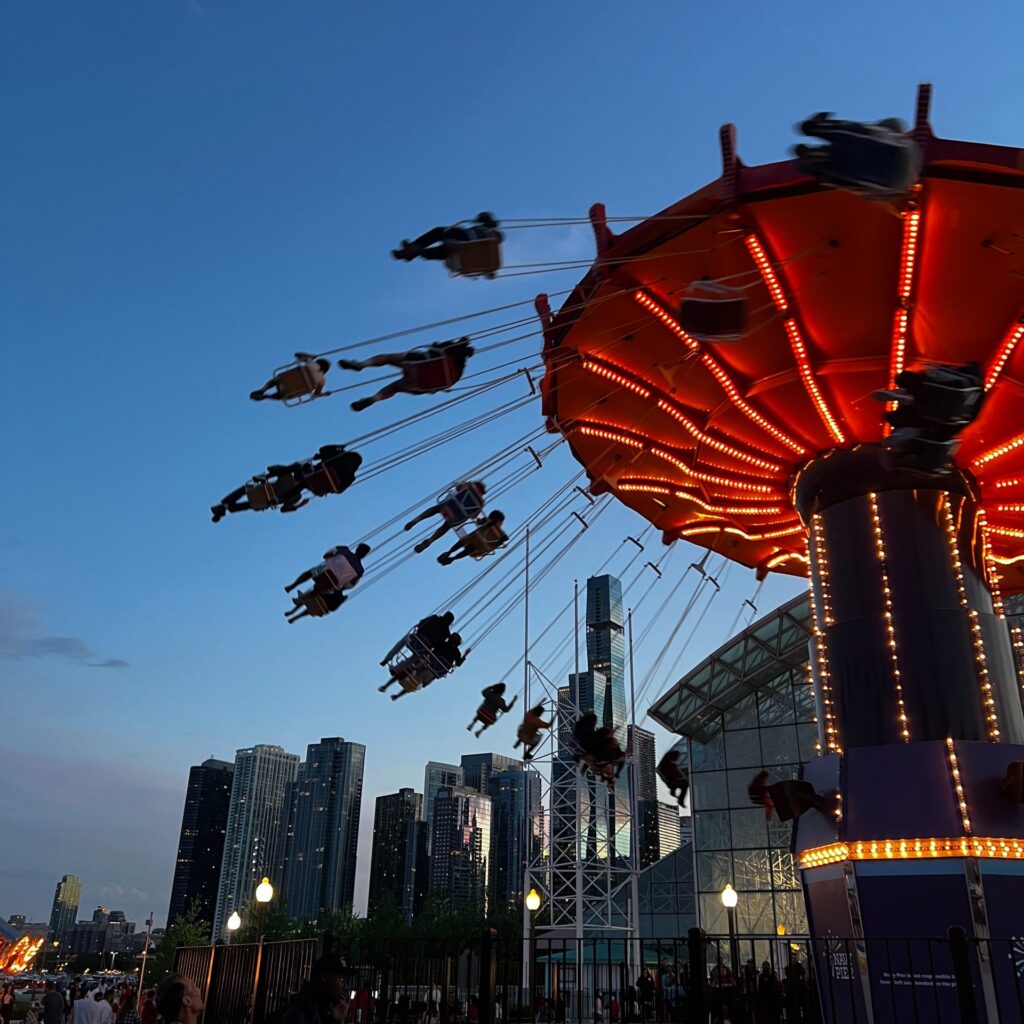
773	979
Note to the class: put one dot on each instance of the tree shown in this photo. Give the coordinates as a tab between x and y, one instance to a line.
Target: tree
188	930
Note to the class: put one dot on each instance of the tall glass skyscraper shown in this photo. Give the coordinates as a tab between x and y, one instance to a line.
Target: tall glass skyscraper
201	840
65	906
461	847
257	819
318	869
517	829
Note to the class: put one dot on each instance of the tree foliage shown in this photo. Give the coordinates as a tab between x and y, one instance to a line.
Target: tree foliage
188	930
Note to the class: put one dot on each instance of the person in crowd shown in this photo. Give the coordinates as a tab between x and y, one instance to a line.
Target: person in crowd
85	1009
305	379
528	733
768	1002
425	371
494	705
147	1008
178	1000
487	537
105	1007
7	1003
52	1004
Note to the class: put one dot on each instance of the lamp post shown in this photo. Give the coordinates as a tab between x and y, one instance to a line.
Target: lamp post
234	922
264	894
533	902
729	900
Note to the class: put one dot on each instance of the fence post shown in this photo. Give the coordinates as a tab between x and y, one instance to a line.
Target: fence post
962	973
697	996
488	975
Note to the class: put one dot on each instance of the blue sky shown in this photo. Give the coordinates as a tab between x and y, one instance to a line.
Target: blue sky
193	189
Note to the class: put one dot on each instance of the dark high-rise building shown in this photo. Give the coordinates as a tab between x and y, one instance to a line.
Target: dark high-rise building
65	906
436	775
461	847
606	649
478	768
516	832
318	871
201	840
398	834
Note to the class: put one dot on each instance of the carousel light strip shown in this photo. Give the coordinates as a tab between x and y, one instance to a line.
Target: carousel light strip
702	531
999	451
803	362
821	560
975	626
737	510
720	375
610	435
958	789
796	341
710	478
905	288
1012	507
901	709
1004	483
634	382
1005	531
1006	350
604	371
1006	560
914	849
991	573
785	556
810	683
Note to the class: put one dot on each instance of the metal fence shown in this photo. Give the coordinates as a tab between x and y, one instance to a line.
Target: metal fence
748	980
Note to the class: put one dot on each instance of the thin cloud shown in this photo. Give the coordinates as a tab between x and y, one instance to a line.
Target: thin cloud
19	640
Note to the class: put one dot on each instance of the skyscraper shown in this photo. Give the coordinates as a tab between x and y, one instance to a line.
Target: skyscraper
436	775
670	830
606	649
201	840
65	906
318	864
645	759
398	834
460	847
516	832
478	768
645	781
256	825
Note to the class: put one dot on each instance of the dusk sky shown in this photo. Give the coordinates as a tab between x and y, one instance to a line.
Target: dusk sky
190	191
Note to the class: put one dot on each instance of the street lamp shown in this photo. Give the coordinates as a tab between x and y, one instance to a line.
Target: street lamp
264	894
533	902
233	924
729	900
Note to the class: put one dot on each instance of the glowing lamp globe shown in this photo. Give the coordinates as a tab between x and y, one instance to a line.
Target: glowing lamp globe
234	922
533	900
264	891
729	897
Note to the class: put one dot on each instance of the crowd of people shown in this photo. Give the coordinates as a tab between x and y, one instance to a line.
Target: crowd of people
83	1001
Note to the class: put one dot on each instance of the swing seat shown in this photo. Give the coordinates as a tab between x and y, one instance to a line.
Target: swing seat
314	603
459	507
296	384
324	581
713	312
486	716
478	257
878	163
260	495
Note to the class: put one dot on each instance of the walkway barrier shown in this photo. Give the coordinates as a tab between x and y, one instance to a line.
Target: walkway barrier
690	980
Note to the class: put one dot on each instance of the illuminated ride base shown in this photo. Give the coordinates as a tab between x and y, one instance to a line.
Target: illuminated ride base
767	449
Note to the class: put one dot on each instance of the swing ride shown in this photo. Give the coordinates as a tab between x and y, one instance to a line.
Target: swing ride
806	368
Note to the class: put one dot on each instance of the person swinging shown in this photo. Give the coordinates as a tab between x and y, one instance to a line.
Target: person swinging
463	503
472	249
491	709
529	732
305	380
485	539
425	371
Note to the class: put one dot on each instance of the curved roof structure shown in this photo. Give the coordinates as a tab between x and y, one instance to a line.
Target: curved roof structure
706	439
742	665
